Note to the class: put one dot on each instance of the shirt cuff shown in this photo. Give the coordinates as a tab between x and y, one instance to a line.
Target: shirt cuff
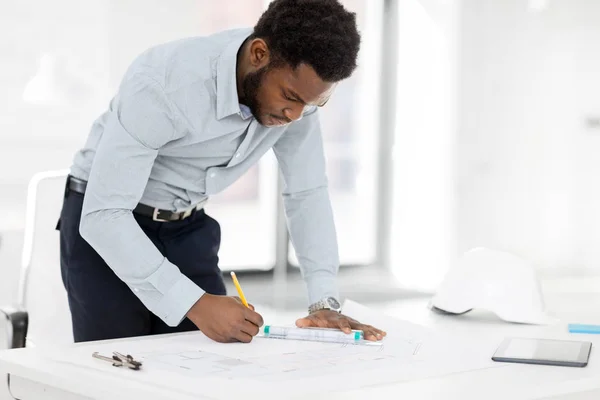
178	300
321	285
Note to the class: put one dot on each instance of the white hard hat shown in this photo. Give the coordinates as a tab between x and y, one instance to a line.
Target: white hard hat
496	281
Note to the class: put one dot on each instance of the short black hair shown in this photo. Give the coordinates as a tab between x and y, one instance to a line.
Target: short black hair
320	33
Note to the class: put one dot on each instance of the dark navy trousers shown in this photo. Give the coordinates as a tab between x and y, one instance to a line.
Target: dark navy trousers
104	307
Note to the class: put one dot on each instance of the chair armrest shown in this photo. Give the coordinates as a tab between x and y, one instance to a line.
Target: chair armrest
16	322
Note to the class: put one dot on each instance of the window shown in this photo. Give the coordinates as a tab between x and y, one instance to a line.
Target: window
69	62
70	58
350	134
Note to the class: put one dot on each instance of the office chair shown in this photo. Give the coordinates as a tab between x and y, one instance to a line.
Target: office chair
41	316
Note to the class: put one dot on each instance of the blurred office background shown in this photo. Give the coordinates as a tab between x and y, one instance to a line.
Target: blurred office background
468	123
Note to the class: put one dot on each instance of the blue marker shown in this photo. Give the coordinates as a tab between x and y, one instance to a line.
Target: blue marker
581	328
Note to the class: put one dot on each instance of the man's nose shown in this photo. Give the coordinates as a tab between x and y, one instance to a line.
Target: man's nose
293	114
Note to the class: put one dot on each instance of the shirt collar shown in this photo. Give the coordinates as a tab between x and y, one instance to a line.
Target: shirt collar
227	95
245	111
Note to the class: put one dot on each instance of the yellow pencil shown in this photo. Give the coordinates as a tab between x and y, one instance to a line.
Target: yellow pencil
239	289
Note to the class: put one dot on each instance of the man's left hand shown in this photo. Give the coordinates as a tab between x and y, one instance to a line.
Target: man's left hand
332	319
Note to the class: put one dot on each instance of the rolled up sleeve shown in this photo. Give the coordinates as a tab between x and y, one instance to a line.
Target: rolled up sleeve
307	205
139	124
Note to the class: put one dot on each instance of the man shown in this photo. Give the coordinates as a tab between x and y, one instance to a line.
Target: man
138	252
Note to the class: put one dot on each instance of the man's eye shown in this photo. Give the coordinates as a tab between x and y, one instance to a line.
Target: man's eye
288	97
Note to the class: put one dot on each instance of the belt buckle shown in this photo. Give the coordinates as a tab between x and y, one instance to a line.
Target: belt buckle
155	216
186	214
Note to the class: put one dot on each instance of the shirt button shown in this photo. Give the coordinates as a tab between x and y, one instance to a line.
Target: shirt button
136	290
212	174
237	155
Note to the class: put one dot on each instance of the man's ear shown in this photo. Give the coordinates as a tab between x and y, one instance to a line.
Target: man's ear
259	53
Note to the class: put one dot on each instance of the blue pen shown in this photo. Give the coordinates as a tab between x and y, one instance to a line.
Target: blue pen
581	328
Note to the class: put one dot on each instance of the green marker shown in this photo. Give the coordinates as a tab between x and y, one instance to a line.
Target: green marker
312	334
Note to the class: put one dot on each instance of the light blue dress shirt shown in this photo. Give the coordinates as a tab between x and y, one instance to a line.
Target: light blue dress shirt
175	134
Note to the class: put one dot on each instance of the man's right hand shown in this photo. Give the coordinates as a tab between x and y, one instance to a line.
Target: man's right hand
225	319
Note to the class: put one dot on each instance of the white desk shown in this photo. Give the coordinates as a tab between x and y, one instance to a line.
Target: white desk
33	376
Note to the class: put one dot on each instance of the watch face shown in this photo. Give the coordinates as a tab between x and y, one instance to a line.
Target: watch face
333	303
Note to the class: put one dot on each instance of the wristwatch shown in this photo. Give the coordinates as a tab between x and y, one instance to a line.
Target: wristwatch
327	303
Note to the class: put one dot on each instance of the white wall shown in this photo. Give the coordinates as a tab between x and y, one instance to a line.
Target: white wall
528	166
492	147
424	214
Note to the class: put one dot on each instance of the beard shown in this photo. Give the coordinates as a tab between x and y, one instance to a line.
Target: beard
250	86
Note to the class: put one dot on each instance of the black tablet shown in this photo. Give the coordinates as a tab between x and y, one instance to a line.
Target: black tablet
544	351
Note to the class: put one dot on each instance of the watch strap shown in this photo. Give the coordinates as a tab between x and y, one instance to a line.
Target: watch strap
319	305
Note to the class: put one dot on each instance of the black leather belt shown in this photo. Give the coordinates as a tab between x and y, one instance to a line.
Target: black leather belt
79	186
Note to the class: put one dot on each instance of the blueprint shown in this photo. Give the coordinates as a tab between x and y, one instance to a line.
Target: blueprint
183	363
275	360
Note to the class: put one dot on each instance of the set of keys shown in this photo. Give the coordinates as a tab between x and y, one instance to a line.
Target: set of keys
120	360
